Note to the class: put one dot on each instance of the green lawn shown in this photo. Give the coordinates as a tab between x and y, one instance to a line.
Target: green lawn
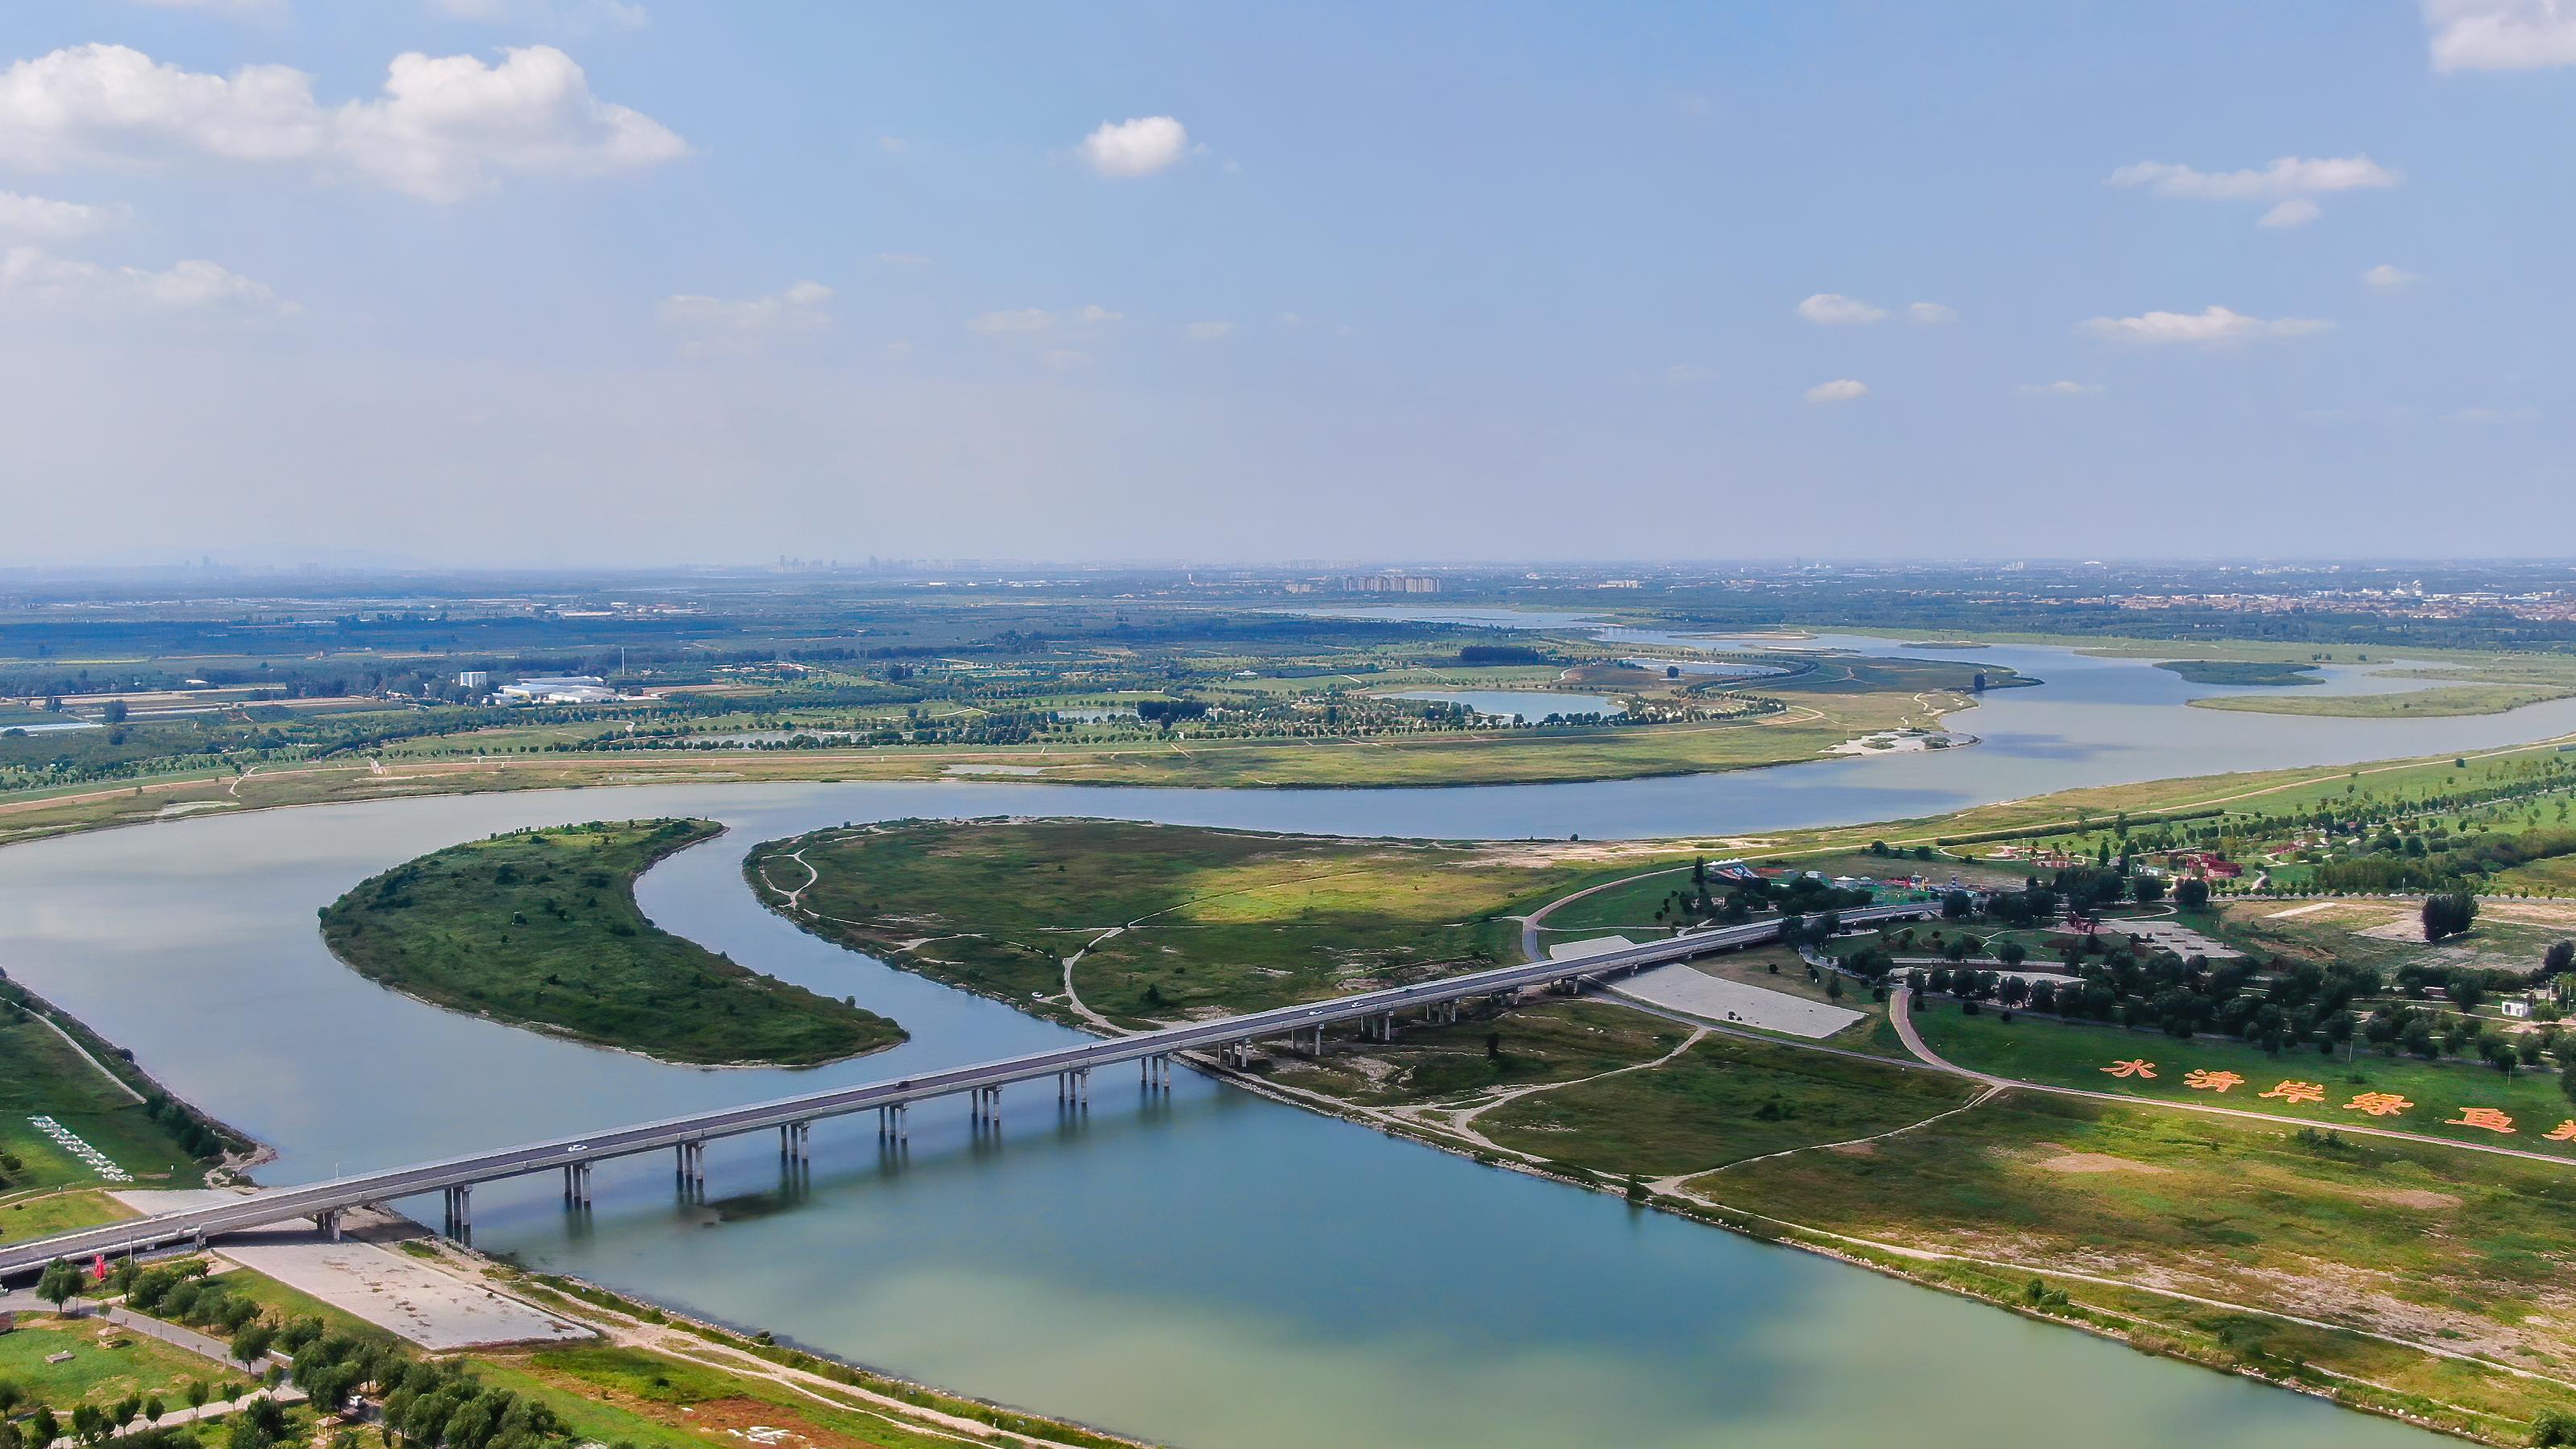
41	1075
138	1365
2033	1049
1204	919
1722	1101
540	928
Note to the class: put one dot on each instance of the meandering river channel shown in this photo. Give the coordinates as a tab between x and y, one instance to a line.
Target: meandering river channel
1209	1268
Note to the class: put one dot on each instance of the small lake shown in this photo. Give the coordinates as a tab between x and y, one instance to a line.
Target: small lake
1526	705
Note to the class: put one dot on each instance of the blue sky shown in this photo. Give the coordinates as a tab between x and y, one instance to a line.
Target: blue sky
599	281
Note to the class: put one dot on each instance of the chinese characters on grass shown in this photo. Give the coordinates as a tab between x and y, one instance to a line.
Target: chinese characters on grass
2369	1104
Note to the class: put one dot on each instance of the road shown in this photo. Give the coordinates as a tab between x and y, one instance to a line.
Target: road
280	1204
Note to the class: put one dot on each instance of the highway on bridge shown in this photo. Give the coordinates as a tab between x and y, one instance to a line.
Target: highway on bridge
687	1135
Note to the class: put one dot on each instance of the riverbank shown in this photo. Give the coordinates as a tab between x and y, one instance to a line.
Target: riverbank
2164	1229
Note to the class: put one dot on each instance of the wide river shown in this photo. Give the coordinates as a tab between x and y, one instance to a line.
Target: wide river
1208	1269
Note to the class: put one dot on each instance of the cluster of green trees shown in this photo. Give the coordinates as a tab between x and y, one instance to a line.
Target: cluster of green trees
426	1405
2275	1008
2448	914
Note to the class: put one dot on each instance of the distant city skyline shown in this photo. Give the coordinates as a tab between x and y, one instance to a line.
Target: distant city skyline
518	283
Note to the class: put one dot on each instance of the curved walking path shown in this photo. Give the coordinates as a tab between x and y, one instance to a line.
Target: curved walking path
1899	1012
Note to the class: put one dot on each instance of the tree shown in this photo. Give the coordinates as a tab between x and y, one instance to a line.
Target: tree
2012	953
197	1393
60	1284
2146	890
2556	962
1493	1046
153	1410
2192	893
250	1344
42	1427
1956	906
2448	914
1834	986
128	1409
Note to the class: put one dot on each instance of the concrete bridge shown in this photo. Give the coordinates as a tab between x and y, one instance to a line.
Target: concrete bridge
1376	1012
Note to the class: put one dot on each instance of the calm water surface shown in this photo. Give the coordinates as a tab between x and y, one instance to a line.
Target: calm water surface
1209	1268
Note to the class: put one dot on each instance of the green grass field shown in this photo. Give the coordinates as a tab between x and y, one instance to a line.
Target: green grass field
41	1075
2413	1239
1202	919
1721	1102
138	1365
2034	1049
541	929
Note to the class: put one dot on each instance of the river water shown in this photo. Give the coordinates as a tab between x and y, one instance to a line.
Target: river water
1206	1268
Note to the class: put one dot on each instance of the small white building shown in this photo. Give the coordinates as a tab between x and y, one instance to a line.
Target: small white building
473	679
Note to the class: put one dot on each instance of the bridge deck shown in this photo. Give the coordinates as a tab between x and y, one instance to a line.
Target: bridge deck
281	1204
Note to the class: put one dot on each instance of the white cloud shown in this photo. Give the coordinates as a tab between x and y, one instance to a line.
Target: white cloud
1026	319
2289	182
2059	388
41	279
35	219
2386	278
1210	331
733	325
440	131
2210	325
1038	319
1139	147
1833	309
1841	389
581	17
2501	34
2297	211
2287	176
2490	417
1931	313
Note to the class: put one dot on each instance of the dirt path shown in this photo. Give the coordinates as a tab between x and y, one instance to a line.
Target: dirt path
1460	1120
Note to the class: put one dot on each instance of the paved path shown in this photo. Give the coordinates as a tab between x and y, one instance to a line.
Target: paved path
1899	1011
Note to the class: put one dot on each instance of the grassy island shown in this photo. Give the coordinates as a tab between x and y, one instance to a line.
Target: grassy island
540	928
2243	671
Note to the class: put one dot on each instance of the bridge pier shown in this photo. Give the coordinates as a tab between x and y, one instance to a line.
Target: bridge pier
460	1213
329	1223
576	1189
792	1140
692	1159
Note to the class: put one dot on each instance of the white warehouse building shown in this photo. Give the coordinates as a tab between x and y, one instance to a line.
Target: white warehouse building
557	689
